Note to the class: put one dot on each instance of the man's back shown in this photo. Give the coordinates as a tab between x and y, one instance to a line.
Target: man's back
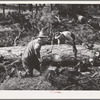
29	50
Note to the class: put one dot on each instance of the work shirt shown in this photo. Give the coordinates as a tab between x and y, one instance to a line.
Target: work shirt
32	51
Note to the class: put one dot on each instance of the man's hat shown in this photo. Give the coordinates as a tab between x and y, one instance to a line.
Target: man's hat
42	33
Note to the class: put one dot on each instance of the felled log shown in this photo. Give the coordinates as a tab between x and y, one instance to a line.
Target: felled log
64	55
49	54
12	52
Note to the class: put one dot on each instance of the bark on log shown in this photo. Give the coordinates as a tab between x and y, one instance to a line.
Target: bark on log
64	51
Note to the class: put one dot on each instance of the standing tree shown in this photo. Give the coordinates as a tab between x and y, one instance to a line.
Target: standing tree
36	8
99	6
30	7
3	6
19	7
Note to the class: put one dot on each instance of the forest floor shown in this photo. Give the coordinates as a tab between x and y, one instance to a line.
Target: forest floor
83	33
41	82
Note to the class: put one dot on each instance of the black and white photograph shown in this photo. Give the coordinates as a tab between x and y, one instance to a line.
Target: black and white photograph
50	46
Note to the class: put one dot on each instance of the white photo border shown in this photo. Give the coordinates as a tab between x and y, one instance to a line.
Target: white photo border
34	94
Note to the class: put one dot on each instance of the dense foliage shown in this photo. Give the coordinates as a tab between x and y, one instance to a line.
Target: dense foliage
59	17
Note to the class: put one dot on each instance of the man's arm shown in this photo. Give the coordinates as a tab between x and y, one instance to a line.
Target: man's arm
37	48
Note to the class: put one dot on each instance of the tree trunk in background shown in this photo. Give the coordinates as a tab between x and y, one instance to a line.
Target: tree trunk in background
36	8
74	8
51	7
82	7
30	7
40	5
19	6
95	6
99	7
3	6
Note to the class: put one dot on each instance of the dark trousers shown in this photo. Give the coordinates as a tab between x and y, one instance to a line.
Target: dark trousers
31	63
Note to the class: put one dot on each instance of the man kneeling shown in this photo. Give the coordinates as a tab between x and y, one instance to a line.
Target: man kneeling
31	55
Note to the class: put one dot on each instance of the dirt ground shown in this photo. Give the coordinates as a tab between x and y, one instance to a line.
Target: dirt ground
35	83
